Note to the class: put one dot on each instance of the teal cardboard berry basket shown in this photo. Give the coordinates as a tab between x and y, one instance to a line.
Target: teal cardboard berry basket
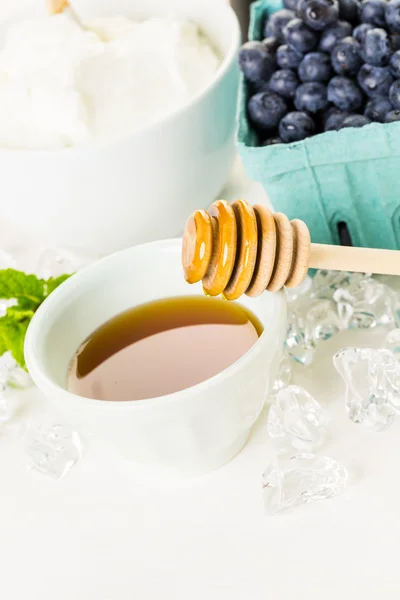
347	178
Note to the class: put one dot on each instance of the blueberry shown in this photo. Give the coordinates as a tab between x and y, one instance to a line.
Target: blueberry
318	14
315	66
271	44
344	93
349	10
376	48
311	96
375	81
333	34
296	126
346	59
328	112
395	42
266	109
259	86
394	94
392	14
284	82
290	4
272	141
392	116
377	109
355	121
256	62
288	58
394	64
335	119
299	36
373	11
360	31
276	22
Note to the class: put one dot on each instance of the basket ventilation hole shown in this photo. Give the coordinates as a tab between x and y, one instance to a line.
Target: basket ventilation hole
344	234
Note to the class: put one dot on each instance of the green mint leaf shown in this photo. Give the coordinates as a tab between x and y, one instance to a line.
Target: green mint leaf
53	283
12	336
3	346
19	314
28	290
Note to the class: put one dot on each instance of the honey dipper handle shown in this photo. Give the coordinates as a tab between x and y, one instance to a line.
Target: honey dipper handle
56	7
359	260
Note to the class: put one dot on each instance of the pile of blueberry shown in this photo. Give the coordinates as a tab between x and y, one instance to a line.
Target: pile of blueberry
324	65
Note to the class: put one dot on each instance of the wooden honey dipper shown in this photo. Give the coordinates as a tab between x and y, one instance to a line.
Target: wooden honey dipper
242	249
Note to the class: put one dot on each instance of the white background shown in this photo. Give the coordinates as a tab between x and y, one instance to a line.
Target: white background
104	533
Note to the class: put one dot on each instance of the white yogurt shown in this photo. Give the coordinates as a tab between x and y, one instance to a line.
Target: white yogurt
62	86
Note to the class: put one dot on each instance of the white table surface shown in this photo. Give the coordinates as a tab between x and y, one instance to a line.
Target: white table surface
104	533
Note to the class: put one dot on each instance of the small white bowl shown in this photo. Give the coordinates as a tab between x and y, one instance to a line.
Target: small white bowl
185	433
140	187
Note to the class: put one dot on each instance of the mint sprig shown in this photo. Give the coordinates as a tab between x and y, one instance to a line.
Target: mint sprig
28	292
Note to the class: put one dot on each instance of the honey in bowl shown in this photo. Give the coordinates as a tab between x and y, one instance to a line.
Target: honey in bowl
162	347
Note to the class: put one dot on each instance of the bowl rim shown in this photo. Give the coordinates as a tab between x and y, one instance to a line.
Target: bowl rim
82	278
228	60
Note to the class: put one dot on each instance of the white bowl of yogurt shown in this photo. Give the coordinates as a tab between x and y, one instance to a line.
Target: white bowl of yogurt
113	137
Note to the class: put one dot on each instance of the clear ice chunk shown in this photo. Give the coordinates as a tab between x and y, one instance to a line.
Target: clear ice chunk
296	421
368	303
10	403
8	408
301	292
322	320
305	477
392	342
333	301
377	303
52	450
325	283
372	379
7	364
344	306
60	261
12	374
284	375
299	341
361	301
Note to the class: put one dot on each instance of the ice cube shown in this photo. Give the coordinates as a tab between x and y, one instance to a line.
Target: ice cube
376	304
10	404
52	450
12	374
325	283
372	379
392	342
344	307
299	341
296	420
7	406
60	261
302	478
301	292
322	320
368	303
283	376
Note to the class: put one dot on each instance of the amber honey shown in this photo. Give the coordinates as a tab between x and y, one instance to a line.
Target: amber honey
162	347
